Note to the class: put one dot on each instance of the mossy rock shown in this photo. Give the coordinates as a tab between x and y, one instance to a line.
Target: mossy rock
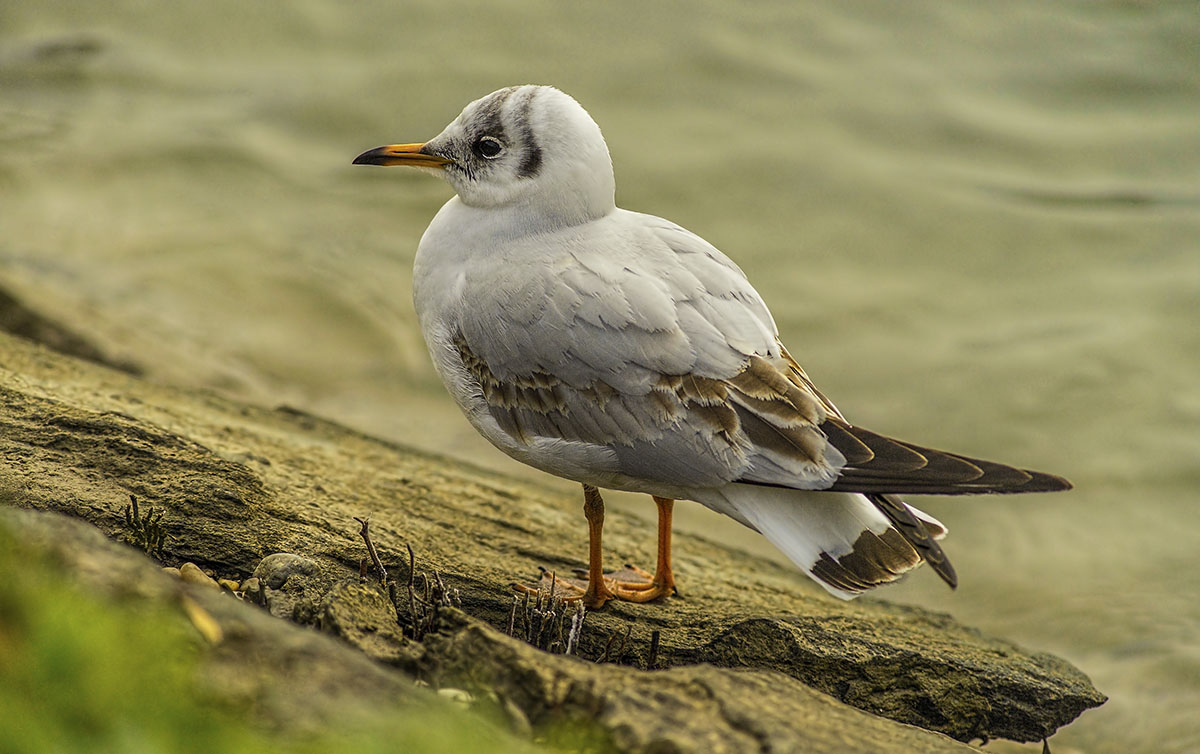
236	483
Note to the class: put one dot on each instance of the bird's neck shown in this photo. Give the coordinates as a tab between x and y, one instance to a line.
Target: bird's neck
561	209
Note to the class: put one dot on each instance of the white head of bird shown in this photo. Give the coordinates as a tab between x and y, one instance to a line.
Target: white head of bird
532	148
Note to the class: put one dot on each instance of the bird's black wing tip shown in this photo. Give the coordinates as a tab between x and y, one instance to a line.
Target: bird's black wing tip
1042	482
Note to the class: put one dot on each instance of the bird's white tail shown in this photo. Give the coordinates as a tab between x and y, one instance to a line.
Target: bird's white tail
841	540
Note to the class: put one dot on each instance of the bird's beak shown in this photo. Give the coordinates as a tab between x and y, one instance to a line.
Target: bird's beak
401	154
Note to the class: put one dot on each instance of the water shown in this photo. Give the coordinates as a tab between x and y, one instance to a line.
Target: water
976	224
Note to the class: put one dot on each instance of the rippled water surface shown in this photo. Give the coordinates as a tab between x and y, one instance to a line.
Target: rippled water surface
976	224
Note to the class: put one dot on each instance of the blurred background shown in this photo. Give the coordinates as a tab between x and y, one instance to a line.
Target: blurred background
977	226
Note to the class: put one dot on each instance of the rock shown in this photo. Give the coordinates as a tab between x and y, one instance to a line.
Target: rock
203	621
274	570
298	600
290	678
462	697
700	708
85	437
252	591
23	321
191	574
518	722
290	586
892	676
365	618
302	681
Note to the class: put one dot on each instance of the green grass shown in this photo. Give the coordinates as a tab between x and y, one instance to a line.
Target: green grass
81	673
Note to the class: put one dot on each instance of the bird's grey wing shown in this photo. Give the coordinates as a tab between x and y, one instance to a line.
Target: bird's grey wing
652	344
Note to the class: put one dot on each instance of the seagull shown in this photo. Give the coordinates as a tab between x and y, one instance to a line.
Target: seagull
622	351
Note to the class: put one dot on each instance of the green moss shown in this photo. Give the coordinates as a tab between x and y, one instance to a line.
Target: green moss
79	673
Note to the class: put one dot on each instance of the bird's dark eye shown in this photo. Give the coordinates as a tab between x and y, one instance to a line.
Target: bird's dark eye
488	147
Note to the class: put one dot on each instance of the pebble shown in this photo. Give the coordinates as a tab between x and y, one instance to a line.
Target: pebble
252	590
458	696
191	573
517	719
203	621
276	569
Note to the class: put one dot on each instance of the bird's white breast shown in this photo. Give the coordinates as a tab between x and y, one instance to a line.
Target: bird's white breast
462	239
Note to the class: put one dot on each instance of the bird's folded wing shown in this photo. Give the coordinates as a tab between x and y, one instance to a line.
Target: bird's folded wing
653	345
662	353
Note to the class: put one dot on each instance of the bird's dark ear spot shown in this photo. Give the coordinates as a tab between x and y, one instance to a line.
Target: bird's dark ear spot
531	163
531	158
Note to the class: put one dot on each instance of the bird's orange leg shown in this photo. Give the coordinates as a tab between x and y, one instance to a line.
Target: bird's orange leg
597	592
602	587
662	582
